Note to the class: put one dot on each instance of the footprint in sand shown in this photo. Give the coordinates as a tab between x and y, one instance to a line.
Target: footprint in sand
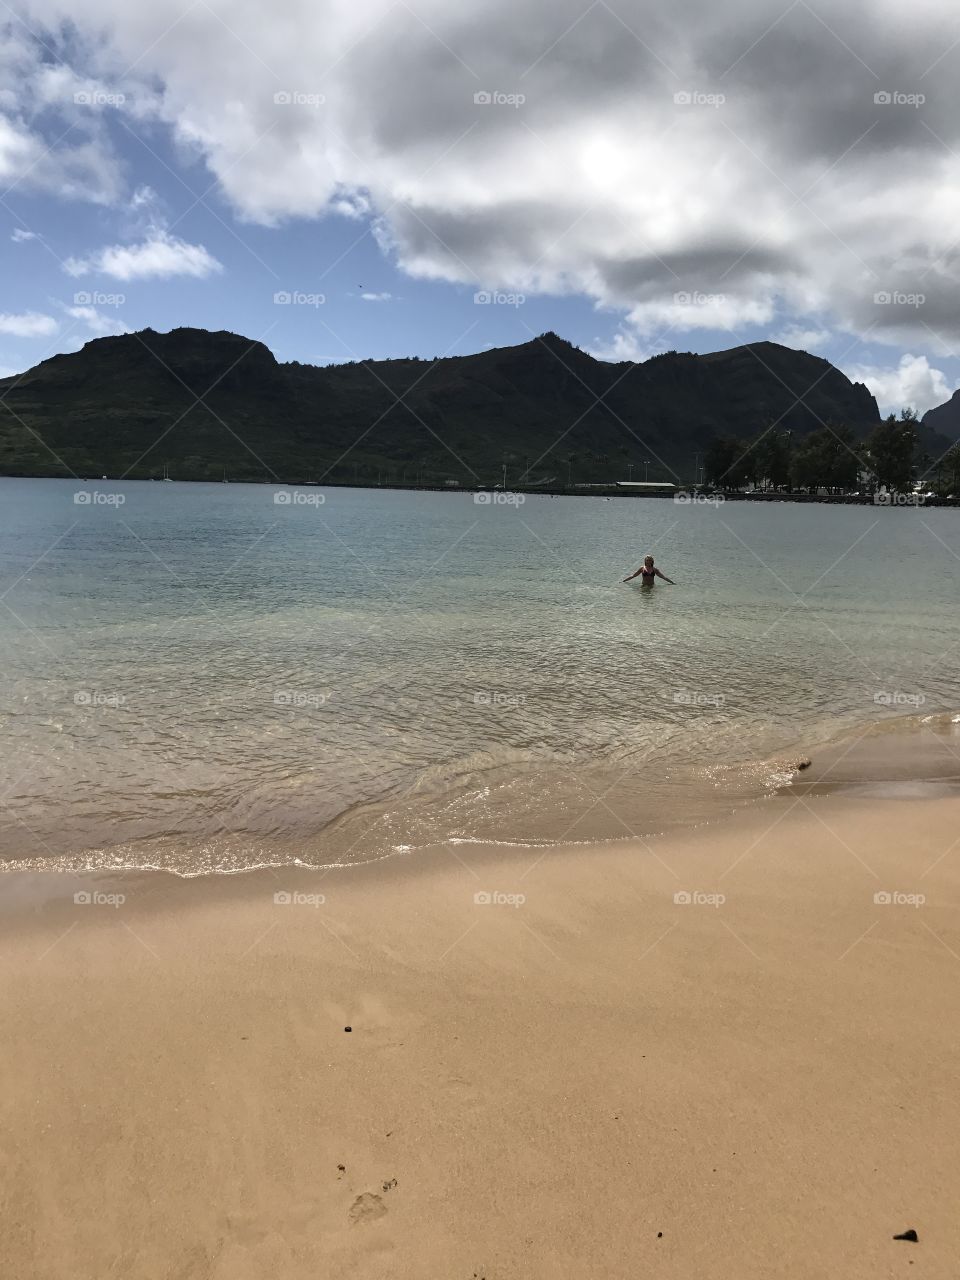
367	1208
468	1096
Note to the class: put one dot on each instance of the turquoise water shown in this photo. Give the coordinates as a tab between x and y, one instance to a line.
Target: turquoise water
203	677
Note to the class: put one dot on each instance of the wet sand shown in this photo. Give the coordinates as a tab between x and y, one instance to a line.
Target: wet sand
600	1080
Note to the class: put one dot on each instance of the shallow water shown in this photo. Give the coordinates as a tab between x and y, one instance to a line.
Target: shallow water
201	677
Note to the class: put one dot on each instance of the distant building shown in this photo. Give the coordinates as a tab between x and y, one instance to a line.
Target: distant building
634	486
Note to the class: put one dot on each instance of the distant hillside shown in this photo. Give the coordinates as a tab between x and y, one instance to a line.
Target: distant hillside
130	405
945	418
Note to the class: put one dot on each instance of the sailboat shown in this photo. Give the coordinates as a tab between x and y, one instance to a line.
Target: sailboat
166	473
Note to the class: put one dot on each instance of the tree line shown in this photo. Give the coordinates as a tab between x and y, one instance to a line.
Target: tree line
834	459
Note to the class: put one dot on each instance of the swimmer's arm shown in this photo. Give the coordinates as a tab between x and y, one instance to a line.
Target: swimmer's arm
634	575
664	577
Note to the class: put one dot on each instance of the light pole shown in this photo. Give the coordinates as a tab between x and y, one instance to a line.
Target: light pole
630	471
646	468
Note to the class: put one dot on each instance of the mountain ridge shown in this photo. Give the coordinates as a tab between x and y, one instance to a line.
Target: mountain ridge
205	402
945	418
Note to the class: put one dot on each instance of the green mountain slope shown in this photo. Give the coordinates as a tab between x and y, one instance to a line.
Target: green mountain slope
204	403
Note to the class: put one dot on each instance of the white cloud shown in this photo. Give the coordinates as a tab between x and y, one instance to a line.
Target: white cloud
16	148
690	310
28	324
802	339
376	297
791	202
20	236
96	321
622	346
160	256
913	384
68	154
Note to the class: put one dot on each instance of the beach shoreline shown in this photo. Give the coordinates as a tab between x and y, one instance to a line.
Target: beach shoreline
715	1034
669	490
916	752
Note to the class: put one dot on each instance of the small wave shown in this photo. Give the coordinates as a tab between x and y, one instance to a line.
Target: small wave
523	799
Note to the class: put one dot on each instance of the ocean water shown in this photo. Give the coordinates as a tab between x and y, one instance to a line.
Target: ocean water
204	677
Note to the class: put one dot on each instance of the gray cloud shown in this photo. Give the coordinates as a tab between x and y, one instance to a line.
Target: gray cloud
733	151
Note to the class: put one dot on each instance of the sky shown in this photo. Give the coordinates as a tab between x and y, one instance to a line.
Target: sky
347	179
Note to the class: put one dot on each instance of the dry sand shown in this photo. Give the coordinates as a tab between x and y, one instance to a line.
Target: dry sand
534	1090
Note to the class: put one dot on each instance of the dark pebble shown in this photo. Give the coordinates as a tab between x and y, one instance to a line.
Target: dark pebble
910	1235
804	764
348	1028
659	1235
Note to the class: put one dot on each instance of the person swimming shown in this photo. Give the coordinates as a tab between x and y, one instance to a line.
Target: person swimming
649	573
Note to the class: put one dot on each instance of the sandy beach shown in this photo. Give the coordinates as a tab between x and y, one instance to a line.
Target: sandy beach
584	1076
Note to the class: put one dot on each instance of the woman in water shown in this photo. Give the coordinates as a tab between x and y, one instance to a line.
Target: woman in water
649	573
